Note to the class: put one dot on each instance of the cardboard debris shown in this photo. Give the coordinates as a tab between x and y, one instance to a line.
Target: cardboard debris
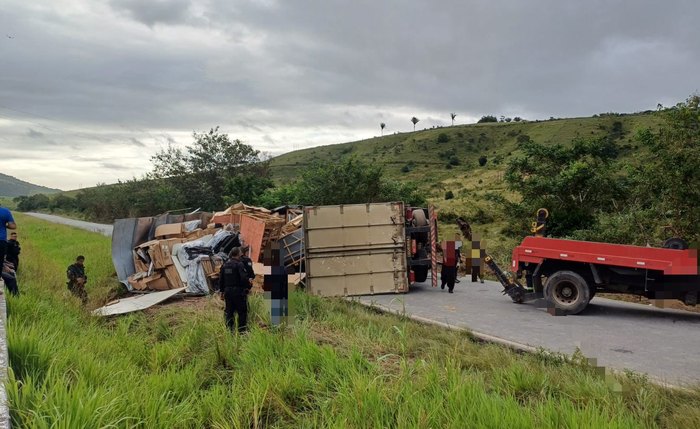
170	230
292	225
142	281
172	275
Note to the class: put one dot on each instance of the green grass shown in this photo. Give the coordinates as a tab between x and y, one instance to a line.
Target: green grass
8	203
338	365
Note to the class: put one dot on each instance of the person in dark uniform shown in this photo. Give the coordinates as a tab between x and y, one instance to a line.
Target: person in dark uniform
234	285
77	278
12	251
245	251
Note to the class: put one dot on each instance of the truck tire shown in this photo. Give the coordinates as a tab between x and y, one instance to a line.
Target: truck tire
421	273
567	291
675	243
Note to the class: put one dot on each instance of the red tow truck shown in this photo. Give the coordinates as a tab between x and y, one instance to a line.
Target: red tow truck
569	273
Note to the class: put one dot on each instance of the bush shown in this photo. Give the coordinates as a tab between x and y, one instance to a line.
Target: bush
454	160
443	138
405	169
482	160
482	217
449	195
487	118
523	138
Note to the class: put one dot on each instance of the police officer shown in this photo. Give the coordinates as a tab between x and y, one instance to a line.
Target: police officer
77	278
234	285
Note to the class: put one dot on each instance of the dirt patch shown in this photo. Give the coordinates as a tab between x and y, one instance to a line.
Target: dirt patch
672	304
190	304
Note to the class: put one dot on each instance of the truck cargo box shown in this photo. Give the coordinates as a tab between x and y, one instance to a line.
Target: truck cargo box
355	249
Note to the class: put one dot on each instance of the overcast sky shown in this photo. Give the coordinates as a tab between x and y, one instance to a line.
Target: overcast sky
90	89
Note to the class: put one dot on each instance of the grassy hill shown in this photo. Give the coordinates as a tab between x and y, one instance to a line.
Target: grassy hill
451	162
13	187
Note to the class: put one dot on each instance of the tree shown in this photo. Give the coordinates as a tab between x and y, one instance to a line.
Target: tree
668	180
210	169
453	116
382	125
487	118
346	182
415	121
574	183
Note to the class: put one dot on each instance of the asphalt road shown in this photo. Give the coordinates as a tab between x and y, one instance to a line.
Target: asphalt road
662	343
94	227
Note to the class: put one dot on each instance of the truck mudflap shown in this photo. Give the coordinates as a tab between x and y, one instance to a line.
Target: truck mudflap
511	287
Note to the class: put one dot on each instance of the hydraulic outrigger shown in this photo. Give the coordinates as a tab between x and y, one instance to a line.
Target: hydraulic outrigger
511	287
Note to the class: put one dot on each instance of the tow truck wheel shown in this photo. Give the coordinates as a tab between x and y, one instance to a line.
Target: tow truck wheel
567	291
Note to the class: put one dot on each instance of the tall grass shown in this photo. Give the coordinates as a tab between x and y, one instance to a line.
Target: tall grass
337	365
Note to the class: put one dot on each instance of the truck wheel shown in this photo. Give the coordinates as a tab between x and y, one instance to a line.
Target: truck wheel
421	273
567	291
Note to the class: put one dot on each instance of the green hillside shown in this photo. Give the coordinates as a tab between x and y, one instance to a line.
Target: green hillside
451	162
13	187
427	158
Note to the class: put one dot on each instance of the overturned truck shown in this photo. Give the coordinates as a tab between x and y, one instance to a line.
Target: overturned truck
365	249
354	249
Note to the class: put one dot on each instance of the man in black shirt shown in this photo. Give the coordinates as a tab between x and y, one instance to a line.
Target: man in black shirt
77	278
234	285
12	251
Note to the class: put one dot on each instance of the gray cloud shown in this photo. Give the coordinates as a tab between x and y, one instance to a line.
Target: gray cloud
114	166
286	75
34	134
136	142
153	12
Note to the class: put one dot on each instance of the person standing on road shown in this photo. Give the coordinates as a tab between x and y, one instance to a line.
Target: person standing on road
77	278
477	257
12	251
234	285
6	222
448	276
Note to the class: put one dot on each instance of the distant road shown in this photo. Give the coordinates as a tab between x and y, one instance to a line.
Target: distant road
662	343
94	227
